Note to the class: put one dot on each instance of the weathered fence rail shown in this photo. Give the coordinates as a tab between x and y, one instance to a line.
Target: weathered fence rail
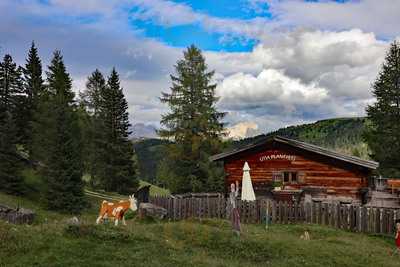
346	217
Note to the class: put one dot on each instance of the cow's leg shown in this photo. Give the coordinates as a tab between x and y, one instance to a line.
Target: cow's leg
99	219
123	220
116	221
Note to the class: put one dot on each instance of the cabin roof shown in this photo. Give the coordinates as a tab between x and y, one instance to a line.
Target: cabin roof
303	146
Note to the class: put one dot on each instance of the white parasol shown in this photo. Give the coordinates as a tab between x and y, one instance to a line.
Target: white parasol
247	187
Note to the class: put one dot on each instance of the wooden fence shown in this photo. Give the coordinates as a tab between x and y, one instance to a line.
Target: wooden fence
346	217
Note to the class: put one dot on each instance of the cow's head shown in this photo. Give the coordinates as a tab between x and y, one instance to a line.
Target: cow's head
133	201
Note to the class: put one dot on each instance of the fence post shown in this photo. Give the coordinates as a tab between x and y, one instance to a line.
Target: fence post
307	212
351	219
364	219
391	222
337	215
274	215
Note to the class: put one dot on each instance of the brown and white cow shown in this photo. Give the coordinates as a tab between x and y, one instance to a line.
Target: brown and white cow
116	210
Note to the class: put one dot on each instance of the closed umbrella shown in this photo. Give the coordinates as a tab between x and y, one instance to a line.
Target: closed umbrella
247	186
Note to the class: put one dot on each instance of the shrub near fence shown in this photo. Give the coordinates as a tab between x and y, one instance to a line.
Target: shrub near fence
346	217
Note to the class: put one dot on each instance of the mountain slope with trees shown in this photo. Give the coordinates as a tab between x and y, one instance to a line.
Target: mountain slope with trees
344	135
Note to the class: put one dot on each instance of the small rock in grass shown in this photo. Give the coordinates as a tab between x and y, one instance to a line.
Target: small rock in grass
73	221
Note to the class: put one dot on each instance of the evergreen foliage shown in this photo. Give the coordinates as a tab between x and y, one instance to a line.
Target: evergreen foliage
11	180
194	124
383	133
33	89
92	125
150	153
11	100
119	167
92	96
57	141
110	161
12	93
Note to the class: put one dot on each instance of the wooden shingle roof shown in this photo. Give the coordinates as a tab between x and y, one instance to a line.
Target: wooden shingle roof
304	146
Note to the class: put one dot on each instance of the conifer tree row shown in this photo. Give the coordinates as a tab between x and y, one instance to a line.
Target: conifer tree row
57	141
62	138
110	160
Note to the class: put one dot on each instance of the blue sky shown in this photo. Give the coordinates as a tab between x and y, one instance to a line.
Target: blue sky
206	39
277	62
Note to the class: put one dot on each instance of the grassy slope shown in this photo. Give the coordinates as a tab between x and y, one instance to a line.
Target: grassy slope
155	190
206	243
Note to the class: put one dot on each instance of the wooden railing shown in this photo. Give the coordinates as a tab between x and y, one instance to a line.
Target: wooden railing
346	217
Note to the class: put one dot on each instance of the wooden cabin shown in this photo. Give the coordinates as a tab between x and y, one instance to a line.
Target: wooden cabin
286	169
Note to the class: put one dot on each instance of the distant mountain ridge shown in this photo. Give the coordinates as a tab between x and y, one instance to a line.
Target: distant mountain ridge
143	131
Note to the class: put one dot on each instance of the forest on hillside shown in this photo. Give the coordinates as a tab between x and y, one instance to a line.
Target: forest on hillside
343	135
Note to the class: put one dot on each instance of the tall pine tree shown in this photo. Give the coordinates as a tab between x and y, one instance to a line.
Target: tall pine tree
12	92
58	131
194	124
91	97
11	180
92	125
117	165
383	134
34	89
11	97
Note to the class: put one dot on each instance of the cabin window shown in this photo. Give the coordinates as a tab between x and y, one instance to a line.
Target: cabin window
290	177
277	177
294	177
286	177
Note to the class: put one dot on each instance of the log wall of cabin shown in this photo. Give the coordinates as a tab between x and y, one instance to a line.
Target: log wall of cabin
340	179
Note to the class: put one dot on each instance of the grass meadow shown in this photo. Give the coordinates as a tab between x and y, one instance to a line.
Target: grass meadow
50	241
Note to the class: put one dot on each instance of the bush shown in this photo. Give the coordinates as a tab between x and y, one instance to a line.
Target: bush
129	215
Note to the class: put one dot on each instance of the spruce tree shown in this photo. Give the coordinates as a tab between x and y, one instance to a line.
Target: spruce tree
383	133
11	180
11	100
194	124
11	92
34	89
62	161
91	97
118	166
92	126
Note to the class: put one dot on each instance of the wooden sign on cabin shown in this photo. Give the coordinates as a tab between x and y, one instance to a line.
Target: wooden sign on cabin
299	167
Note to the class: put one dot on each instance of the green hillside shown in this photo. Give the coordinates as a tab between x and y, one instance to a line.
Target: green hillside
149	153
341	134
